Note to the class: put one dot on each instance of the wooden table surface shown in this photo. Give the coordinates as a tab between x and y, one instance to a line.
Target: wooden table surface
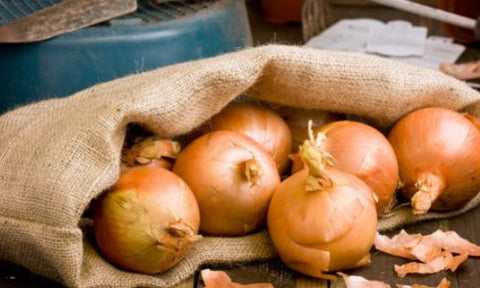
381	268
382	265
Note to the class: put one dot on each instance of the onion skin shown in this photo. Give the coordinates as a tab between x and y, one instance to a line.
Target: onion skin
260	123
147	221
324	227
475	121
439	159
150	151
233	180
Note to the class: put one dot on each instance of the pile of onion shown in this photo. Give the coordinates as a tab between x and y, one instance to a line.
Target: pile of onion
233	179
439	158
147	221
258	122
322	219
364	151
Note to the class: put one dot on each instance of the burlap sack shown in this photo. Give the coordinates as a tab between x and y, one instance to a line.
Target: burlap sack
58	155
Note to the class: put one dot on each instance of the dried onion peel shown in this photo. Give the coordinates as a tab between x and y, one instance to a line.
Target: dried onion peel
151	151
406	245
436	252
220	279
353	281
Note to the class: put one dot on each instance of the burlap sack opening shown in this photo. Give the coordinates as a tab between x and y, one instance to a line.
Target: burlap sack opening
58	155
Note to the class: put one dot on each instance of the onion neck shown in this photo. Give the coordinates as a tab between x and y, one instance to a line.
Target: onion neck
429	188
177	236
317	161
253	171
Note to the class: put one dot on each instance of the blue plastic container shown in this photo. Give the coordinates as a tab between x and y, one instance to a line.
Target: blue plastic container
156	35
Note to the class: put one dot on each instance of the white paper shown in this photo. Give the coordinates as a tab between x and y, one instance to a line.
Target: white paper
437	50
345	35
352	35
397	38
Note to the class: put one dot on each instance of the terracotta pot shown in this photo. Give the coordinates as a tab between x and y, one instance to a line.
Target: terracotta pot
282	11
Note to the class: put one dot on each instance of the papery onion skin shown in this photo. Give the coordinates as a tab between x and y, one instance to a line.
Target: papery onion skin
150	149
233	180
474	120
258	122
220	279
438	156
147	221
307	226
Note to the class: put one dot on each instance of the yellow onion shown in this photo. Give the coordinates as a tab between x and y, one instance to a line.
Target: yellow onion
439	158
475	121
322	219
297	119
364	151
258	122
233	180
147	221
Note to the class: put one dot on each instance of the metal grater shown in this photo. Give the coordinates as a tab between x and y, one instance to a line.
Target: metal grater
147	11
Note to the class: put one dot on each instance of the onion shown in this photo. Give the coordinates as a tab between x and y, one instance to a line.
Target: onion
297	119
233	180
475	121
364	151
439	159
147	221
261	124
151	151
322	219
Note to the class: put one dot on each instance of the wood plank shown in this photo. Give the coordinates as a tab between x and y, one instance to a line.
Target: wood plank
382	266
467	275
273	271
303	281
467	227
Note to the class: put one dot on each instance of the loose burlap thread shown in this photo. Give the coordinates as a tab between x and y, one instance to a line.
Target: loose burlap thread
59	154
